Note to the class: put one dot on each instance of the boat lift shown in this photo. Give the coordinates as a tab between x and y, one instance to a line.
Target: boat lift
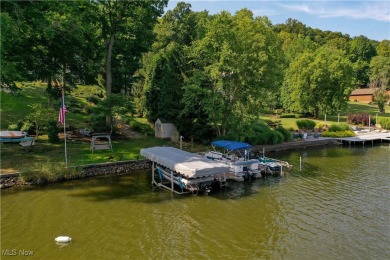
182	172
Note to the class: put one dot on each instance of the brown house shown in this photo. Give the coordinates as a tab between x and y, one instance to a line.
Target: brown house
363	95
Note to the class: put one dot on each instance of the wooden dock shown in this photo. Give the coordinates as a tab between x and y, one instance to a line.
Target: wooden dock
360	138
365	137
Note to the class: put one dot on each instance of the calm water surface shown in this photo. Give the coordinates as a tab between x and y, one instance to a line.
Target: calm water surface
336	207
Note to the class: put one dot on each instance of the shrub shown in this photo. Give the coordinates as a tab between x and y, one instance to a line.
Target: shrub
13	127
142	128
46	172
93	99
275	137
306	124
347	133
336	127
286	134
28	127
53	131
321	125
360	119
384	122
289	116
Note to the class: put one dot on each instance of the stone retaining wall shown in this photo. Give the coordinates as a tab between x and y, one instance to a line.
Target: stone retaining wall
10	180
115	168
112	168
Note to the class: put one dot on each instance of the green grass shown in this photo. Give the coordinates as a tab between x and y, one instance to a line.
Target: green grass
15	158
14	108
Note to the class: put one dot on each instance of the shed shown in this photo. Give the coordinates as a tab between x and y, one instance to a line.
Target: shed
164	129
363	95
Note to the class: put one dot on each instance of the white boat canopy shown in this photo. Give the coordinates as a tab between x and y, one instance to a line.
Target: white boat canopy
188	164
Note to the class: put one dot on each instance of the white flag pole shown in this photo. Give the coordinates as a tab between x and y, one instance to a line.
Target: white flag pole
64	112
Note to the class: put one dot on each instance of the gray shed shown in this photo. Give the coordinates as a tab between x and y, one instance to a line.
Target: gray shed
164	129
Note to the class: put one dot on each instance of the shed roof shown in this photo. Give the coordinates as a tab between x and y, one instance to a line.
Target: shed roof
363	91
163	120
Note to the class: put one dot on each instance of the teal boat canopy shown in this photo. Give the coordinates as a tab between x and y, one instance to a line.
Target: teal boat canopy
231	145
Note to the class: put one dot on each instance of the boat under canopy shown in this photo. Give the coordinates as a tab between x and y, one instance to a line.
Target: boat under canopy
231	145
187	164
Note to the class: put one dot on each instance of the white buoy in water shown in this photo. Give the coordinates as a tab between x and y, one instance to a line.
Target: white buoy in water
63	239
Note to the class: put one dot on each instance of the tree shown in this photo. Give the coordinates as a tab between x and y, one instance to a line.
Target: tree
166	65
54	42
361	51
318	82
126	21
238	59
111	107
40	116
380	77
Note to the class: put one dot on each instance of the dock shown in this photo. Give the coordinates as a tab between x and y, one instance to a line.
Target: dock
365	137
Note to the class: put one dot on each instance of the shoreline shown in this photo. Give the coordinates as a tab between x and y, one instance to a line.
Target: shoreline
10	180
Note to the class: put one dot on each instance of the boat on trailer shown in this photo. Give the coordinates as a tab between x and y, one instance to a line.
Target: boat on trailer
236	156
183	172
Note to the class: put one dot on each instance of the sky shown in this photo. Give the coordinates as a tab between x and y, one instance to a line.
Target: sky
370	18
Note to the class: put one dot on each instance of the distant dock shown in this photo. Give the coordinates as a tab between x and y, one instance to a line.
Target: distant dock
365	137
362	138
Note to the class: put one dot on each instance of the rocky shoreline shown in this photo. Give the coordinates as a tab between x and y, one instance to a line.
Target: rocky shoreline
92	170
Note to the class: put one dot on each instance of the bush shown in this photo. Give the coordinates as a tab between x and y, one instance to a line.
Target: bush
306	124
142	128
286	134
53	131
93	99
360	119
321	125
289	116
384	122
337	127
275	137
261	133
13	127
46	172
347	133
28	127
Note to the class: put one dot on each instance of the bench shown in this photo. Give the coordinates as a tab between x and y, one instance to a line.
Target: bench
96	144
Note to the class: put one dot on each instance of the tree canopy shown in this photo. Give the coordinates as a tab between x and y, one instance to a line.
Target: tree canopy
208	74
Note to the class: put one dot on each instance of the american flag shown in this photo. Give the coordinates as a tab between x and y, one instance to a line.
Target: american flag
61	114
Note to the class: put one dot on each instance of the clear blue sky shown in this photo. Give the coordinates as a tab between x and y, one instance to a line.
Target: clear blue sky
368	18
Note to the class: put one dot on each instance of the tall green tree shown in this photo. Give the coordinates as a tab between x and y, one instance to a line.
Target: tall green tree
361	51
165	66
380	74
126	30
318	82
55	40
239	59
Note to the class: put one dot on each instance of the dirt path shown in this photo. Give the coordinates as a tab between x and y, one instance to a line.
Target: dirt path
126	130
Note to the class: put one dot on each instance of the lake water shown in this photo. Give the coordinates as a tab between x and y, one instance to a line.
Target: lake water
336	207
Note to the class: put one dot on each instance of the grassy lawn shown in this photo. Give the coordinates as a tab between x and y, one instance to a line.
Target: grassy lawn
15	158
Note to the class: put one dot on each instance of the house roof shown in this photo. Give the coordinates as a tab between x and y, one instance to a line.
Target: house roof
363	91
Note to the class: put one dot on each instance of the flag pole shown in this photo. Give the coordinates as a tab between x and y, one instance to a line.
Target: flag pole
63	104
